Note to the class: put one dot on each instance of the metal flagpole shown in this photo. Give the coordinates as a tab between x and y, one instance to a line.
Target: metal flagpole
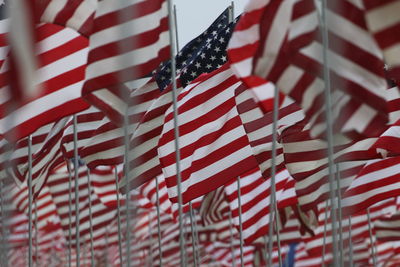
240	223
76	171
339	208
196	232
69	214
329	129
371	237
158	223
324	238
127	191
90	218
30	200
350	245
36	235
273	206
118	215
150	241
172	34
193	234
231	239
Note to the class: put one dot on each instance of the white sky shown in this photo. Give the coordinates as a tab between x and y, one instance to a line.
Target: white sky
194	16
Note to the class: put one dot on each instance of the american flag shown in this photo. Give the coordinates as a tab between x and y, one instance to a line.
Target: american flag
203	54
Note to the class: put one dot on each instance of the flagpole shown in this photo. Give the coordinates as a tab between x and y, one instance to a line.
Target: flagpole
158	222
240	222
90	218
339	207
172	38
193	234
371	237
118	215
324	238
329	130
350	245
69	214
150	240
36	234
30	200
76	172
231	239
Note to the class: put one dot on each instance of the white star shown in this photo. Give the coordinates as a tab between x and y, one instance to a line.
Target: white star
227	30
198	65
222	40
208	46
214	33
208	40
203	55
193	74
168	70
162	78
223	58
219	66
213	58
217	49
208	66
184	63
219	25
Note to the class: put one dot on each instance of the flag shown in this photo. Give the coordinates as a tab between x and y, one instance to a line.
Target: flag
127	42
213	144
283	46
61	75
144	162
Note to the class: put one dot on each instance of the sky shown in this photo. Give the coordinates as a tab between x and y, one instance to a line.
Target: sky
194	16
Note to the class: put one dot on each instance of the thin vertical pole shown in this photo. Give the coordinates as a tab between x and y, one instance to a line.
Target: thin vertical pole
158	223
329	129
350	245
273	205
231	239
325	230
118	215
240	222
69	214
90	218
172	34
127	193
194	248
371	237
76	169
150	240
36	235
30	200
340	217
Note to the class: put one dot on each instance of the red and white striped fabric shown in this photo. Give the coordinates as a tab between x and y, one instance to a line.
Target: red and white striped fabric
306	160
281	37
255	200
101	214
213	143
149	190
387	228
77	15
87	123
377	180
63	54
43	205
128	41
258	126
383	22
214	207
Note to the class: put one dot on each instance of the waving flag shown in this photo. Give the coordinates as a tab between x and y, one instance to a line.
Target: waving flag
128	41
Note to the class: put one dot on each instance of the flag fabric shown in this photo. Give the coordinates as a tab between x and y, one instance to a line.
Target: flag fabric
127	42
285	48
382	22
144	162
77	15
258	126
387	228
61	75
213	145
203	54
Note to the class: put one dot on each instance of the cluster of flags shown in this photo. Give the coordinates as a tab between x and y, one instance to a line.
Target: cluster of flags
285	119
